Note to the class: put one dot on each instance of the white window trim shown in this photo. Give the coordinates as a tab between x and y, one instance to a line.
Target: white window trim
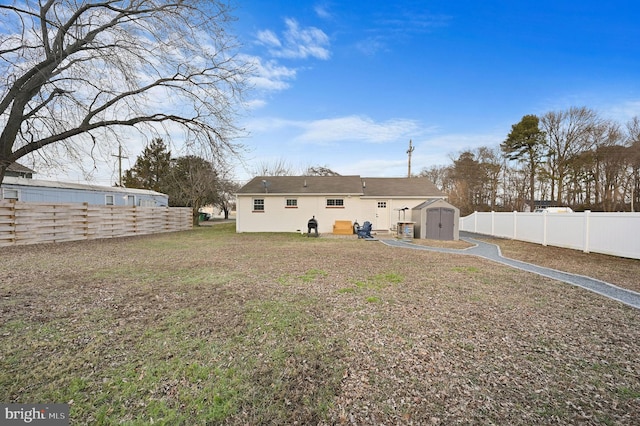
7	191
339	206
291	206
253	202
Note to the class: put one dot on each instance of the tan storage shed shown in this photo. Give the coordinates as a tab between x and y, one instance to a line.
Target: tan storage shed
436	220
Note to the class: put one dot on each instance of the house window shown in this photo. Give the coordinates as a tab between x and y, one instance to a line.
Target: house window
382	204
335	202
109	200
258	204
10	194
131	200
292	203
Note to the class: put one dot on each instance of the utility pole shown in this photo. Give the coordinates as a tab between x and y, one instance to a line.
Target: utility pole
120	157
409	151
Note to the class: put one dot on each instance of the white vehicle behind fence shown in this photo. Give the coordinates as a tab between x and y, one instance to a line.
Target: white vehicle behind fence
554	210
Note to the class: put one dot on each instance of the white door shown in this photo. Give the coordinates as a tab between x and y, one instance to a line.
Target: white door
382	216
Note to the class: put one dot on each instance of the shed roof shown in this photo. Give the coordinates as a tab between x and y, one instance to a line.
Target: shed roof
438	202
338	185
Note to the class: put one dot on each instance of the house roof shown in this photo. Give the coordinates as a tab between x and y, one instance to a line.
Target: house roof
19	168
10	180
303	185
341	185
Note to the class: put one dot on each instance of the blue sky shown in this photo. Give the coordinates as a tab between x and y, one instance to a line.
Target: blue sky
347	84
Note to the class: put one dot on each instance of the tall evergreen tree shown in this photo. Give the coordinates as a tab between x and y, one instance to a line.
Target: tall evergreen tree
526	142
151	167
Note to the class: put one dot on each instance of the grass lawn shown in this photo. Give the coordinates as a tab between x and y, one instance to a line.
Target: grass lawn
213	327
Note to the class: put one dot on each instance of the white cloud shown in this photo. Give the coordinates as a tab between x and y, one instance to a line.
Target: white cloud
371	167
358	144
254	104
624	111
270	75
612	106
296	42
357	128
459	142
269	39
439	150
370	46
398	26
322	10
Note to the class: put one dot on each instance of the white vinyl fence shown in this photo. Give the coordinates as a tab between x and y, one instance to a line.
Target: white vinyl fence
616	234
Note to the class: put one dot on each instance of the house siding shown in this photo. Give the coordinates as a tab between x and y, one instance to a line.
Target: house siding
360	196
38	191
277	217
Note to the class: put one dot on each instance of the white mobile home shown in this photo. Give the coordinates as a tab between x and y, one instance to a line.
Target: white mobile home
286	203
43	191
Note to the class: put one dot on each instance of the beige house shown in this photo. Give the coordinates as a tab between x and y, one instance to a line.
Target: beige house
286	203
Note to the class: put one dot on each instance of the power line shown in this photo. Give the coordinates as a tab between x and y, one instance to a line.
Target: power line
409	151
120	157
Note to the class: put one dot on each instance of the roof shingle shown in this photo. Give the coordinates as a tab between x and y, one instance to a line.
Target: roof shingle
338	185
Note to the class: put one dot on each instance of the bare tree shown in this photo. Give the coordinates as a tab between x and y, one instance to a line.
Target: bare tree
74	72
490	163
225	199
468	178
567	135
633	140
438	175
278	167
192	182
319	171
611	163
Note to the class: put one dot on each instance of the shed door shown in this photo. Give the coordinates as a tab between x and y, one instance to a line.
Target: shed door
447	217
439	224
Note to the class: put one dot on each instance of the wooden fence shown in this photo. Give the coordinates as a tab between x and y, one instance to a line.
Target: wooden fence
615	234
24	223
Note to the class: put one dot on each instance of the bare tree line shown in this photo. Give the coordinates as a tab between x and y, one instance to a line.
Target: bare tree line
581	160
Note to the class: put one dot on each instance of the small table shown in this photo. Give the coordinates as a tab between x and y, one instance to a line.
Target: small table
405	230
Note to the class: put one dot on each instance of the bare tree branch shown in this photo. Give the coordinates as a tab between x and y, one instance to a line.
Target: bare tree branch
74	67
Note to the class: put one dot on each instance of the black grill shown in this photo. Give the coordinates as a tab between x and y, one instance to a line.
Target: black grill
312	224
